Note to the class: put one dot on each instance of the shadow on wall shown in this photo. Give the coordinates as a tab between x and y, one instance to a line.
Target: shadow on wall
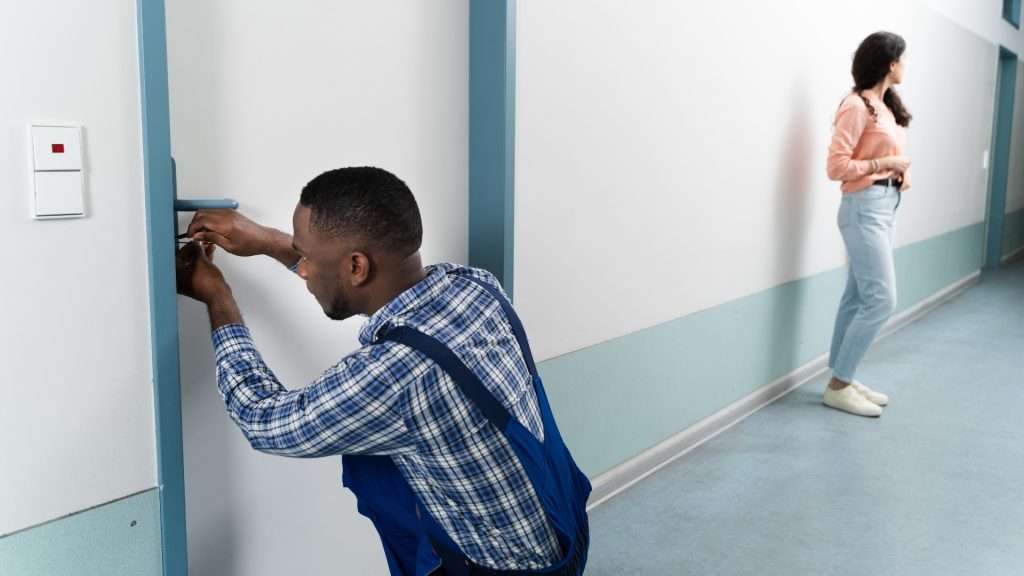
207	454
792	209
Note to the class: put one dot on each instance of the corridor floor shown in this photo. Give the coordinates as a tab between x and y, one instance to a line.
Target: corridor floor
934	487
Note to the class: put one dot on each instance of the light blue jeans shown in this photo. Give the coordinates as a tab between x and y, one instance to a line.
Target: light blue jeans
866	219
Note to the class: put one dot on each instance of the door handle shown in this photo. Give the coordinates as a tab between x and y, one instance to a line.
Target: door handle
193	205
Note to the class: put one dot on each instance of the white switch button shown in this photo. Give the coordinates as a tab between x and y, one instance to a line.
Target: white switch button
57	172
59	194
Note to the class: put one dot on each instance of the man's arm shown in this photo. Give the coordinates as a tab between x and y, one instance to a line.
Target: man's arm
348	410
354	407
223	310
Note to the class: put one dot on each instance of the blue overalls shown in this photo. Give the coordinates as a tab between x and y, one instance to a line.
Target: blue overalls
414	543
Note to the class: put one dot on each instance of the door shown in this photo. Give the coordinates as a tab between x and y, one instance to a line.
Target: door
161	231
1005	97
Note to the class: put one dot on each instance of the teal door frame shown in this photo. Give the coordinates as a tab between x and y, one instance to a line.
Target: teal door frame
1011	12
1002	131
492	92
163	299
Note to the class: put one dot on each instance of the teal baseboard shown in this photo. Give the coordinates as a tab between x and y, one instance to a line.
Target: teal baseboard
616	399
1013	232
121	538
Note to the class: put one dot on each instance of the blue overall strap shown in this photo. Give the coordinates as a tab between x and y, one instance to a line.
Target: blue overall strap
467	382
513	320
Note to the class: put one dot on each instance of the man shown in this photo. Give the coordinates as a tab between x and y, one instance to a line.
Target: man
448	441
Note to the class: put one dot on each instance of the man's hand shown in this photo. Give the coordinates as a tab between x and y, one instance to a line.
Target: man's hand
231	231
240	236
198	278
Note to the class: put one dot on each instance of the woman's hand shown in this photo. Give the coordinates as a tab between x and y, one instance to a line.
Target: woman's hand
898	164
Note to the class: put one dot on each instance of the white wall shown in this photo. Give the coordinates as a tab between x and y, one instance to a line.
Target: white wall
983	17
264	96
670	156
76	400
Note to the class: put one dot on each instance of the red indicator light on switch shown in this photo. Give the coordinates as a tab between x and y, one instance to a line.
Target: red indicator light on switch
57	148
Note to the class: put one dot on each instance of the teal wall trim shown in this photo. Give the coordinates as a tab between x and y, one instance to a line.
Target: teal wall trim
121	538
1001	136
492	33
163	299
618	398
1013	232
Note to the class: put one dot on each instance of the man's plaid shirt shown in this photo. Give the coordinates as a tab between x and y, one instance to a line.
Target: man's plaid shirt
385	398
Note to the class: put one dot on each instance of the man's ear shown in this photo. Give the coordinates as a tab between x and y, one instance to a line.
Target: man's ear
360	268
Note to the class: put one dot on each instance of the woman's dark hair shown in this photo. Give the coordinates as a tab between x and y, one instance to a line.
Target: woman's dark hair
871	65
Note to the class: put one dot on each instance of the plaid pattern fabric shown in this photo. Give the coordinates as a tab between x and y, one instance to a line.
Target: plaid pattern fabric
386	398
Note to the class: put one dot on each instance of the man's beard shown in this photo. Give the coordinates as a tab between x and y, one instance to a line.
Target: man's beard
337	310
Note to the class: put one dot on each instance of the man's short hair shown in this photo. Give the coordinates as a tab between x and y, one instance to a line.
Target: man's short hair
366	202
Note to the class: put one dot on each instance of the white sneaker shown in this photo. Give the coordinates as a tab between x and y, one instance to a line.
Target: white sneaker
872	395
849	400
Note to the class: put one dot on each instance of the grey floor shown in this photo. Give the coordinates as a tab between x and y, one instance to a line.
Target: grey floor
933	487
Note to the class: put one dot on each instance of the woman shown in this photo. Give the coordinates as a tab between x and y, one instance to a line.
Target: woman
866	155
